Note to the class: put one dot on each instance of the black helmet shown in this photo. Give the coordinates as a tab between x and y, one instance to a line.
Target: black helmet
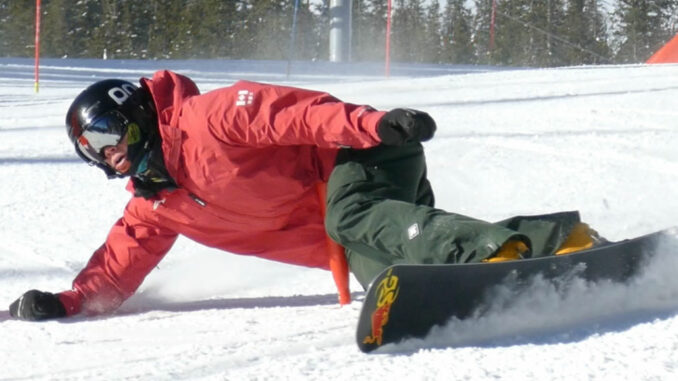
103	114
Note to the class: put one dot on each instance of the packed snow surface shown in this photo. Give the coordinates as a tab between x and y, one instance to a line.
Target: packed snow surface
602	140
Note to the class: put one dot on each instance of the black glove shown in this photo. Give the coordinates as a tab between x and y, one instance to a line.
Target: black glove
36	305
402	125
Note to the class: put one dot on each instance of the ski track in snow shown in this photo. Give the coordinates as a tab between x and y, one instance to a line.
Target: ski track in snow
601	140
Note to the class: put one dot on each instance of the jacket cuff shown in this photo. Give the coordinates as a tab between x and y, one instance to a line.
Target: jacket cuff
72	302
370	120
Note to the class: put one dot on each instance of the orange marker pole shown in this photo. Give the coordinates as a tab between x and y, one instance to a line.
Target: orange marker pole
338	263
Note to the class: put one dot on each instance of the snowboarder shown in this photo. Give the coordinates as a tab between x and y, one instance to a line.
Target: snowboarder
271	171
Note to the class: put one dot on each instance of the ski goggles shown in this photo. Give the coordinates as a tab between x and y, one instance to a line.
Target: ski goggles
104	131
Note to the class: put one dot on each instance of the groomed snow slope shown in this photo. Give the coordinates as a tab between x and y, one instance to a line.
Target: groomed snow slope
602	140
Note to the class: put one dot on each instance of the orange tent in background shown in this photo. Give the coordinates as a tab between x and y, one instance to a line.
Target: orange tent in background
667	54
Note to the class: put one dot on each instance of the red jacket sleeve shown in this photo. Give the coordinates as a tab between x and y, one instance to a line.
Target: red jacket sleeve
255	114
115	270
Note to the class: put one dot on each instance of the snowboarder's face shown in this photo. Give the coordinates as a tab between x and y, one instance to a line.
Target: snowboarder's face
116	156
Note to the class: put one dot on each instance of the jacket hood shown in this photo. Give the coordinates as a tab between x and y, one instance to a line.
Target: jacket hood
169	90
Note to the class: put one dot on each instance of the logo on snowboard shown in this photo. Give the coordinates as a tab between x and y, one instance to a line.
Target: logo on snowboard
387	292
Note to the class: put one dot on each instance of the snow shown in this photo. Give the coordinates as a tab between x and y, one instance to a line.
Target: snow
600	139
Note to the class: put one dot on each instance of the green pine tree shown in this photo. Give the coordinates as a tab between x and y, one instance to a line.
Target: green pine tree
481	25
457	33
512	40
543	23
433	46
17	26
409	28
586	33
644	26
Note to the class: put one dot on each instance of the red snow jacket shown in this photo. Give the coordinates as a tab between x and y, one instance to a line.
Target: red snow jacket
247	160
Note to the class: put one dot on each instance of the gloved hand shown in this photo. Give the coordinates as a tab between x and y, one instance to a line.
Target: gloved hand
402	125
36	305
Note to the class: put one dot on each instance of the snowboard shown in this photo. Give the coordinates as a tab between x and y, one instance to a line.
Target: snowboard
406	301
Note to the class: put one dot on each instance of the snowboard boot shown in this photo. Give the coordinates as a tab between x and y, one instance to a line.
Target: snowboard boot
509	251
581	237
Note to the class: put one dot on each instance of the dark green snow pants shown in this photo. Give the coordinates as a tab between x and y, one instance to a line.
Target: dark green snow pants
380	209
